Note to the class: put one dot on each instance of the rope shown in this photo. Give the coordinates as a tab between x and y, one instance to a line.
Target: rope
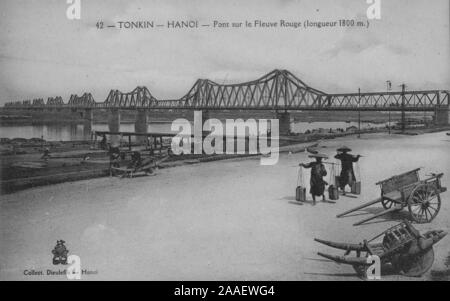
334	172
332	175
300	180
358	172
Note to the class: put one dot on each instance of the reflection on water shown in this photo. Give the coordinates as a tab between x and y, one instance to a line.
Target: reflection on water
67	132
73	132
47	132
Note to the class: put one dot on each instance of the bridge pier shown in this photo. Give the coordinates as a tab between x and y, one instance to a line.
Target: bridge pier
284	122
441	116
88	118
114	120
200	118
140	125
205	116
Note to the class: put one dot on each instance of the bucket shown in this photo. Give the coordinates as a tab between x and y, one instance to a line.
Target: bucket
300	194
333	193
356	188
300	191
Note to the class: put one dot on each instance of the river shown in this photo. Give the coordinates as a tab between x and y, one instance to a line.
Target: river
74	132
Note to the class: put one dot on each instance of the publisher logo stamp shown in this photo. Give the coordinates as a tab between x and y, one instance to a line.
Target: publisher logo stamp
60	253
72	264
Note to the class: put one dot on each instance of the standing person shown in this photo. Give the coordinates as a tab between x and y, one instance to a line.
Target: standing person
347	176
318	171
46	154
114	156
114	151
103	143
136	160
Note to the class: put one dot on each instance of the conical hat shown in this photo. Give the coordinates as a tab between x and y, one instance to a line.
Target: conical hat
344	149
323	156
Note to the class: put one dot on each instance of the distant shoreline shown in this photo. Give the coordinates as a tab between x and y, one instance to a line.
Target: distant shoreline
59	122
26	118
43	122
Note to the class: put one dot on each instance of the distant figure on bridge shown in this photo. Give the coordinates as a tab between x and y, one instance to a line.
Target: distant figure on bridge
318	171
347	176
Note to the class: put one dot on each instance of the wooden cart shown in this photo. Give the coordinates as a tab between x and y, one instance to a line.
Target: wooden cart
422	197
401	247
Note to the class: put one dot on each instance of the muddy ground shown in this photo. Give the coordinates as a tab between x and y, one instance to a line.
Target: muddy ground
222	220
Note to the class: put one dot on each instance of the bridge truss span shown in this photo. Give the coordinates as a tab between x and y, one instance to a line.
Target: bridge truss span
277	90
390	101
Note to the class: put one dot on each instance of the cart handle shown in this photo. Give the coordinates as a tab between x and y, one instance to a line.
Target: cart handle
434	176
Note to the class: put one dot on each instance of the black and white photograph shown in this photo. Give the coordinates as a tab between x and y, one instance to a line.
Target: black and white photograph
213	140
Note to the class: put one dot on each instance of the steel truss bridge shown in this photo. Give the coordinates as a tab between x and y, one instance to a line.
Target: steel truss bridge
277	90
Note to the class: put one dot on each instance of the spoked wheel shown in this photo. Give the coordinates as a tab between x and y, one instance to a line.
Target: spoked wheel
387	204
417	265
424	203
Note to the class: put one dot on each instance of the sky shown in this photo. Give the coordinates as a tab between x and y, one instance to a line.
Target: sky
44	54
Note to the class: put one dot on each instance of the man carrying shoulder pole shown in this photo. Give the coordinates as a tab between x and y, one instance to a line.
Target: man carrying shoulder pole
347	176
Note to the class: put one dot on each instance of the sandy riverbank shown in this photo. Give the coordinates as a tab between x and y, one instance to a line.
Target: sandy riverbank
22	167
222	220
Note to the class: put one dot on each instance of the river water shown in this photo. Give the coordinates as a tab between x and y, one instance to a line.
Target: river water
74	132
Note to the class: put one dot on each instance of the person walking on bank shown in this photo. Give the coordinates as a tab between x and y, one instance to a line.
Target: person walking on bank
347	176
318	171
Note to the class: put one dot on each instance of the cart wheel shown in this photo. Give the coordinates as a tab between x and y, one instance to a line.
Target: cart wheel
387	204
424	203
415	266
